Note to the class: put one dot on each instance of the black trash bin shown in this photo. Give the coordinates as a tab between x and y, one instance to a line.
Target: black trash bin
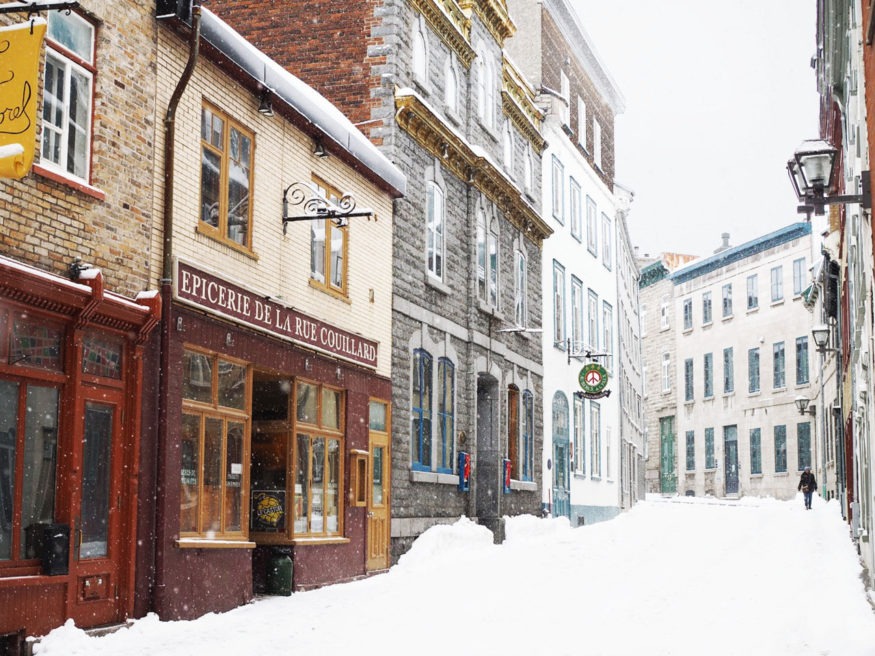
279	572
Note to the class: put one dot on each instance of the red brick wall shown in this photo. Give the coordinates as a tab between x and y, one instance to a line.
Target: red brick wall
869	84
323	42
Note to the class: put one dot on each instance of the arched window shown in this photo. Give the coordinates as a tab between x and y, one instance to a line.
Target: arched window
435	229
487	259
451	87
507	147
420	52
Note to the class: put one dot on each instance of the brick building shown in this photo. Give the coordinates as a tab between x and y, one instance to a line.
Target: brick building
75	317
430	84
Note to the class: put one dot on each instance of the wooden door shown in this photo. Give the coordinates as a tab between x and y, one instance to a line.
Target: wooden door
99	552
378	487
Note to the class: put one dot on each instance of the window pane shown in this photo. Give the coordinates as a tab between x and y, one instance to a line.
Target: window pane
71	31
197	382
307	400
190	471
332	487
8	440
317	488
232	385
102	357
211	514
377	477
337	239
377	412
40	454
234	478
238	188
36	345
302	484
96	480
317	250
53	110
77	129
330	408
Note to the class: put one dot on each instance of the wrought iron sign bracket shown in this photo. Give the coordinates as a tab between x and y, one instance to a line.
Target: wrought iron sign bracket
35	7
571	347
316	207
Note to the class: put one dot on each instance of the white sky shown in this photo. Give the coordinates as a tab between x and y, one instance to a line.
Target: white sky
718	96
679	577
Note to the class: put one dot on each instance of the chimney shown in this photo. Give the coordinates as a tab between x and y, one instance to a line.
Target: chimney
725	245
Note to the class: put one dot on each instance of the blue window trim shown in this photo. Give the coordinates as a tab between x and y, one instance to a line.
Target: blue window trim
446	371
528	435
420	357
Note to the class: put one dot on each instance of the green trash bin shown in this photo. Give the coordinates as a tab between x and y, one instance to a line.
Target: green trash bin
279	573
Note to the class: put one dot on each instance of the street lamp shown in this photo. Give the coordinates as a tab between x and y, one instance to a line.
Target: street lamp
812	174
802	403
820	333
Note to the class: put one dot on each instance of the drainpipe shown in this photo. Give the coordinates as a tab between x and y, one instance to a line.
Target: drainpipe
166	294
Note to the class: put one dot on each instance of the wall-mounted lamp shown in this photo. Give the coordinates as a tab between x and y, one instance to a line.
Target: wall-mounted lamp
319	150
265	103
820	333
802	403
812	174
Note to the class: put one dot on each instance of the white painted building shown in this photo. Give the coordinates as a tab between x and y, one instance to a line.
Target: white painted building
744	353
582	452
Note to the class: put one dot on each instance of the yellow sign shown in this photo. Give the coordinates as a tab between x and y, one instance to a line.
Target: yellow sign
20	47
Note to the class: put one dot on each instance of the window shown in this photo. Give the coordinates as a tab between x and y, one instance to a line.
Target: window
727	301
446	415
214	448
595	439
576	199
756	452
592	237
607	344
798	276
435	221
507	148
68	95
666	372
777	276
780	449
558	182
710	460
728	371
803	441
579	437
486	87
520	302
576	314
329	244
753	300
28	462
451	86
753	370
558	305
596	143
319	460
565	92
709	375
420	52
593	319
688	379
801	360
691	450
528	170
581	123
688	314
226	178
706	308
779	370
487	260
528	437
607	253
663	313
420	410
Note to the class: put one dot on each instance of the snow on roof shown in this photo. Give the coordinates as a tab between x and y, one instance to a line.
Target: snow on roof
308	102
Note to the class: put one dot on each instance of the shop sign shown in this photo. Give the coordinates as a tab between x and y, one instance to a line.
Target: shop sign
593	379
219	296
20	47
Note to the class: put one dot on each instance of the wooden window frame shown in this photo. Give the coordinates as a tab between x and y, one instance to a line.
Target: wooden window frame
342	291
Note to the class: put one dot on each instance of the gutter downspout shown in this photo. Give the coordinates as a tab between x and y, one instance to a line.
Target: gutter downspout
166	298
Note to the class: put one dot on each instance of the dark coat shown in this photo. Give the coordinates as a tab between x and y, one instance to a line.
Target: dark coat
808	479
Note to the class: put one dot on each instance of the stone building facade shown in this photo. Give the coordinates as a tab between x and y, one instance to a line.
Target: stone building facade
430	85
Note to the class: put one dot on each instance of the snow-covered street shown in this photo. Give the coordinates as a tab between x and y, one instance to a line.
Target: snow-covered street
678	577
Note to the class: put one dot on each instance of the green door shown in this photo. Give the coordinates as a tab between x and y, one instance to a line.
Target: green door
668	479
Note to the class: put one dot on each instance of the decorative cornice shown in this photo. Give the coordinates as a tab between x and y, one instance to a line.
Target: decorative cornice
451	25
430	132
518	103
494	15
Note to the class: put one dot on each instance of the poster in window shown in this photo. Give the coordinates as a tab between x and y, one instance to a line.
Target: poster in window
268	510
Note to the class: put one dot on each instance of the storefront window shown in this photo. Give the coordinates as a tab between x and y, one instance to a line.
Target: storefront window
214	447
102	357
318	462
36	344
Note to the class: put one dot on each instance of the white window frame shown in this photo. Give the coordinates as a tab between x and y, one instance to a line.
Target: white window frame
558	189
575	200
419	54
435	220
592	228
607	242
581	123
558	305
596	143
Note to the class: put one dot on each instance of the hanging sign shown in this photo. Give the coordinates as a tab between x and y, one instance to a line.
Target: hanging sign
593	379
20	47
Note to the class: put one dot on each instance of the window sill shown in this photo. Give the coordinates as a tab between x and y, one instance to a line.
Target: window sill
751	310
213	234
687	331
436	283
523	486
707	324
486	308
433	477
204	543
78	185
316	540
775	302
728	317
322	287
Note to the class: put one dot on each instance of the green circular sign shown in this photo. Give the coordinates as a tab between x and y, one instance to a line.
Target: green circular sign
593	378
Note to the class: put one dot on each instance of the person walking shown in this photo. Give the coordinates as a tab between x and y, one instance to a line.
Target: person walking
808	485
